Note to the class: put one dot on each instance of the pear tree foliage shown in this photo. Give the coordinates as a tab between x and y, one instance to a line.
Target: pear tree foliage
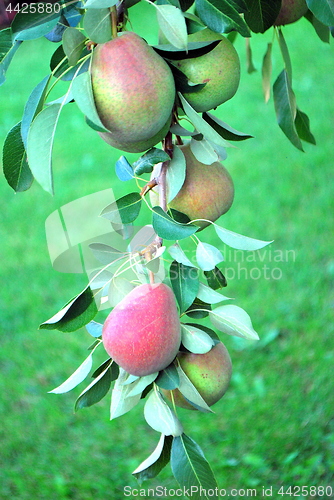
75	28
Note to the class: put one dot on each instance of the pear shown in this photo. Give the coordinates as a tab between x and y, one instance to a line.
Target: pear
219	69
210	373
207	192
133	89
291	11
142	334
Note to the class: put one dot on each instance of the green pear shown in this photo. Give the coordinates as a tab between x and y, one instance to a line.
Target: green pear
207	192
136	147
219	69
210	373
133	88
142	334
291	11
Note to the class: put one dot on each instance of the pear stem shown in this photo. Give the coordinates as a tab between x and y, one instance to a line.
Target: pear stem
113	13
148	257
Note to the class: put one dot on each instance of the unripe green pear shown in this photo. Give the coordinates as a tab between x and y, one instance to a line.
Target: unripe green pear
210	373
207	192
142	334
291	11
136	147
133	88
219	69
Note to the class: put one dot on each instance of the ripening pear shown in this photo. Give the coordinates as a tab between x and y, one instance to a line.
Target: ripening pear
207	192
210	373
133	88
142	334
219	69
291	11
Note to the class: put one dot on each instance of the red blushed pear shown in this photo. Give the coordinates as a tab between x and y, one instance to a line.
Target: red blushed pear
142	334
210	373
291	11
133	89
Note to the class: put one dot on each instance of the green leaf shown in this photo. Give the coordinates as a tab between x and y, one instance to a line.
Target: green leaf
195	340
208	256
76	378
61	69
168	229
323	10
153	464
83	95
173	25
40	144
191	469
121	402
189	391
194	49
113	368
105	253
203	151
285	107
178	254
208	295
176	173
29	26
207	330
146	162
239	241
14	160
221	16
118	289
302	123
285	54
215	279
97	25
96	390
267	72
321	29
73	45
224	130
168	378
185	284
125	209
123	169
75	314
233	320
160	417
139	385
203	126
100	4
7	52
94	329
34	105
262	14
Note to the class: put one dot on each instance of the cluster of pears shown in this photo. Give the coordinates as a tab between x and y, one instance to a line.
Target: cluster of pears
142	334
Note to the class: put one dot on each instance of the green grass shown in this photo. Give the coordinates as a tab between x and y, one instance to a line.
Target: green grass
275	425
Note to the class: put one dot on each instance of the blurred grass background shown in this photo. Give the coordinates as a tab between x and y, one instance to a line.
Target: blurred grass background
275	426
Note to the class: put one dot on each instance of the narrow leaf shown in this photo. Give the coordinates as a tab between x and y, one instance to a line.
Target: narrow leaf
267	72
76	378
215	279
168	378
203	151
34	105
262	14
83	95
141	383
178	254
160	417
77	313
285	107
29	26
208	256
195	340
224	130
191	469
221	16
123	169
153	464
100	4
97	25
96	390
73	44
173	25
7	52
14	160
189	391
121	403
168	229
185	283
239	241
146	162
210	296
125	209
302	123
233	320
94	329
285	54
323	10
176	173
40	144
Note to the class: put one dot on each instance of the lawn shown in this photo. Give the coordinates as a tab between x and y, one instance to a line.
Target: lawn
275	425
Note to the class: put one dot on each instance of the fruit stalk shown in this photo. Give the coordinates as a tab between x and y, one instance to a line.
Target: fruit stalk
113	14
